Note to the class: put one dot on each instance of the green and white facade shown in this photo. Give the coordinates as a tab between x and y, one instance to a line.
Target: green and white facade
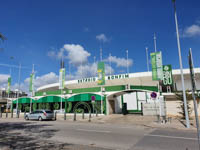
134	89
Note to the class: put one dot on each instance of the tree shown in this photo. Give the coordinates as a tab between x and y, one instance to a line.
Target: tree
47	106
56	106
34	106
179	96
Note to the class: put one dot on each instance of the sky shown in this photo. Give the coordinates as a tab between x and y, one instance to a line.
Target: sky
44	32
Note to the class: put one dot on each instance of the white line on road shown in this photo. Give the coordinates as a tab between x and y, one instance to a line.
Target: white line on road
173	137
93	130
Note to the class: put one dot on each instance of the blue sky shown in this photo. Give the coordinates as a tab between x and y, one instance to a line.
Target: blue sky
39	32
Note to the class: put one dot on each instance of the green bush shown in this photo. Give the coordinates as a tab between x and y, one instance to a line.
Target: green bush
27	108
56	106
19	106
34	106
47	106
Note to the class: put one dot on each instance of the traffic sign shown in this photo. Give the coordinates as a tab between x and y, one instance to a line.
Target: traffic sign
153	95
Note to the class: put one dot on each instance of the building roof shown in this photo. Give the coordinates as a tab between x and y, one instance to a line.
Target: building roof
140	78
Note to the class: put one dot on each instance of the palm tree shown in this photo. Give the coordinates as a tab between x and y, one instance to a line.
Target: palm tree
2	37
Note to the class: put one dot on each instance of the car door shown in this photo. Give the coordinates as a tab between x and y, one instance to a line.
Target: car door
36	114
31	115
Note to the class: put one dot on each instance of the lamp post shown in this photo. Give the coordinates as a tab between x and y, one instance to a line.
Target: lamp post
127	61
147	59
181	68
110	62
19	76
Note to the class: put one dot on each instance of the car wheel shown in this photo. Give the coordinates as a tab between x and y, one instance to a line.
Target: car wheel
40	118
26	118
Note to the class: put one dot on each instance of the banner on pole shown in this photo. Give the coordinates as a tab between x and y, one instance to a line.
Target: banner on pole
167	75
101	73
62	78
157	68
9	84
31	82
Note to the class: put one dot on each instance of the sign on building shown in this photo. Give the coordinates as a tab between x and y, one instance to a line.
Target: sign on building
31	82
9	84
62	78
101	73
167	75
157	68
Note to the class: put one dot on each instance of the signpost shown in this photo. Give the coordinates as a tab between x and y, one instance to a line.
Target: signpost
93	98
154	96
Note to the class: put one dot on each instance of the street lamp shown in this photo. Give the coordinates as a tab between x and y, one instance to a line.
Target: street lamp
181	68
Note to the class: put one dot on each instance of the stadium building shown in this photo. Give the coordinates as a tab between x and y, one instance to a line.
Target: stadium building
122	93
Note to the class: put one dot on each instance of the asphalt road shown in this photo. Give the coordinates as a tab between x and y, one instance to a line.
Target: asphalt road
20	134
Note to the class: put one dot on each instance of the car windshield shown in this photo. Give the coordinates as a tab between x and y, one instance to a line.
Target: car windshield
48	111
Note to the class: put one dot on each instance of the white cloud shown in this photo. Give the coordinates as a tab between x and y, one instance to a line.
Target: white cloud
38	82
192	31
102	38
77	55
120	62
90	70
3	78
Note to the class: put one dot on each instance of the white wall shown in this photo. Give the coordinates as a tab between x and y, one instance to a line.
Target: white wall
131	100
118	105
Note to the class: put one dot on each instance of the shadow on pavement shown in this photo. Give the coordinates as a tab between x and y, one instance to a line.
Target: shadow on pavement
28	135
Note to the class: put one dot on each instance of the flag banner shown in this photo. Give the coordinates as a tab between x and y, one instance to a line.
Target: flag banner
101	73
9	84
157	68
167	75
31	82
62	78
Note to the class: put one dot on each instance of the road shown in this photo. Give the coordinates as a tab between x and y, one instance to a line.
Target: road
20	134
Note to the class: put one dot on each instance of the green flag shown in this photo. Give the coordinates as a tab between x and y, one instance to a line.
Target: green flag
167	75
156	62
9	84
31	82
62	78
101	73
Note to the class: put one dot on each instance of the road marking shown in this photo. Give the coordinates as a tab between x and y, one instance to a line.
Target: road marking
93	130
173	137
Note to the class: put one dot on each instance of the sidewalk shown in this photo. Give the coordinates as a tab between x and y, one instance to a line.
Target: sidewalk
130	119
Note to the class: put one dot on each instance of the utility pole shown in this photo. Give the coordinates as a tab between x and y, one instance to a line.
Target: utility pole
181	68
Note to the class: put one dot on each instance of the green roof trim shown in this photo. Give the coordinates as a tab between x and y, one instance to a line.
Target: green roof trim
84	97
98	89
23	100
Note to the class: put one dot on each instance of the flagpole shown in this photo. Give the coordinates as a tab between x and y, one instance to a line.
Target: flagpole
155	42
181	68
147	59
32	92
18	87
8	91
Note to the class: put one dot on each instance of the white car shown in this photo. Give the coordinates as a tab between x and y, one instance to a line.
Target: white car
40	115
